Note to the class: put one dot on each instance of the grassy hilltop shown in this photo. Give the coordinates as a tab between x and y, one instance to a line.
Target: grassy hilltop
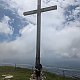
25	74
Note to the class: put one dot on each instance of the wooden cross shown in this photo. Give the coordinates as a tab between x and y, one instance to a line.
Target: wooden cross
38	12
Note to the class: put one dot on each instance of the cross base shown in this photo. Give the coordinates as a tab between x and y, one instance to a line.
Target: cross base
34	76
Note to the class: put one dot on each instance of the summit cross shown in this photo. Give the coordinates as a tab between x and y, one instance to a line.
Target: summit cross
38	12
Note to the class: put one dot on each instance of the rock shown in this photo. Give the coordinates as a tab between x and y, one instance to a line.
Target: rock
8	77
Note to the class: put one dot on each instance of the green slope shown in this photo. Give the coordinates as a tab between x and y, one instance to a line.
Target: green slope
24	74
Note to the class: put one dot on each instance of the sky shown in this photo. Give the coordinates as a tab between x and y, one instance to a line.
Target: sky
60	31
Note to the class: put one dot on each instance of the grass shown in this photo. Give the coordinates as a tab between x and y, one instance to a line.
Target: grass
25	74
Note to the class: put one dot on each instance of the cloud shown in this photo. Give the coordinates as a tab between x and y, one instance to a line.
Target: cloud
4	26
58	36
61	41
22	48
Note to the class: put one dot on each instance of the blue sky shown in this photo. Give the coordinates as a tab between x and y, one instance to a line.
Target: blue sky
60	30
15	21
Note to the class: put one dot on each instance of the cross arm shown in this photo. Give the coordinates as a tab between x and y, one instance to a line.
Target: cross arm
30	12
49	8
42	10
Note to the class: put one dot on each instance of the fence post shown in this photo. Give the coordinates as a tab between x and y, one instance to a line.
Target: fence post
15	67
32	69
63	74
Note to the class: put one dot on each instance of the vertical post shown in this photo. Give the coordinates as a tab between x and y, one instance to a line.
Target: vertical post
63	74
15	66
38	34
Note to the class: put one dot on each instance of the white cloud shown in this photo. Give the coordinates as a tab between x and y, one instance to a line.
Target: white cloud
61	41
4	26
22	48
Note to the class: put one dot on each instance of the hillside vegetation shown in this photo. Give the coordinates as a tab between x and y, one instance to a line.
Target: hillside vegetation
25	74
